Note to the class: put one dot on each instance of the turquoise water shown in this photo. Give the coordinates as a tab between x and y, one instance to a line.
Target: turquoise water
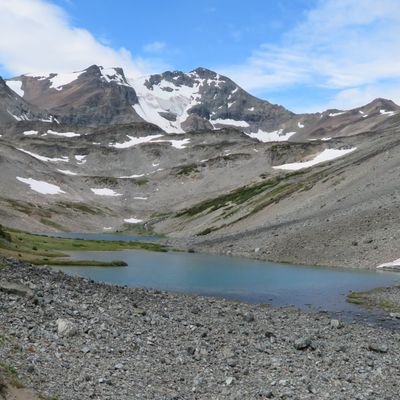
235	278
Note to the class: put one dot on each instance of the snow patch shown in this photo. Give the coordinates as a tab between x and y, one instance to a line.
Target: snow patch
326	155
60	80
336	114
131	176
16	86
300	125
133	220
50	120
22	117
140	198
43	158
389	265
105	192
41	186
384	112
178	144
274	136
177	101
111	75
67	172
133	141
64	134
30	133
81	159
233	122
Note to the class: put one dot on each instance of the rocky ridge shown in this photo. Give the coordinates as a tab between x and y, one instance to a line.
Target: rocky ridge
69	337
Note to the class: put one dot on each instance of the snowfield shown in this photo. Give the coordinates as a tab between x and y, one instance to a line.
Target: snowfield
133	141
230	122
67	172
43	158
133	220
16	86
64	134
105	192
274	136
326	155
81	159
41	186
395	263
384	112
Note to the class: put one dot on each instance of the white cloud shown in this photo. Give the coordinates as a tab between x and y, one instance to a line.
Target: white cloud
348	47
154	47
38	37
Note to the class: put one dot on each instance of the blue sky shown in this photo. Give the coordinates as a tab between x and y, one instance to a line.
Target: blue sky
307	55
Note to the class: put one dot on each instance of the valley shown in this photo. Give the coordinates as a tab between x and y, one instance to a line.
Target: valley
195	158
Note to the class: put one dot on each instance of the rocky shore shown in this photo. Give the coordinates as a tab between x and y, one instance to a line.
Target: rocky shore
71	338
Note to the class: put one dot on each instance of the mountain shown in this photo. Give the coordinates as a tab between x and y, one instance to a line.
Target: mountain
203	99
179	102
92	97
195	157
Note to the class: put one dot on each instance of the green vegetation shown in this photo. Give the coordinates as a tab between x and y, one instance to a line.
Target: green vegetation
4	235
187	170
8	375
373	298
248	200
141	181
237	196
46	250
80	207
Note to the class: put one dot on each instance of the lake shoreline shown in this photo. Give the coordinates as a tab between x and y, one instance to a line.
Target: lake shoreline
77	336
222	246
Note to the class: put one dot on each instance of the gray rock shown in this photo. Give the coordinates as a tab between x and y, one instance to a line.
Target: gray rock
66	328
16	288
378	347
302	343
335	323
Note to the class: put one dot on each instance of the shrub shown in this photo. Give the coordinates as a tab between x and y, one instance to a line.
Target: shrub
5	235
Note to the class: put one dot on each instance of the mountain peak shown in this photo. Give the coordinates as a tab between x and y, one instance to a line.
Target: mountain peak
205	73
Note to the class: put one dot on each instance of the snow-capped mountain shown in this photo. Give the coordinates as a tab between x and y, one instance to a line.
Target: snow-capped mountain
178	102
203	99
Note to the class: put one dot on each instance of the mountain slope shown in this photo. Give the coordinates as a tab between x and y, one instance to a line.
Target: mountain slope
14	109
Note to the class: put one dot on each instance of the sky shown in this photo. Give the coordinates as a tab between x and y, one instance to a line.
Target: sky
307	55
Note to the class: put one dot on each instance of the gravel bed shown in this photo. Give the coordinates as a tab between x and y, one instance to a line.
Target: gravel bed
71	338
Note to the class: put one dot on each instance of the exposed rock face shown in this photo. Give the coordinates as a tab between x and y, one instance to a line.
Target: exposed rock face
93	97
13	108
